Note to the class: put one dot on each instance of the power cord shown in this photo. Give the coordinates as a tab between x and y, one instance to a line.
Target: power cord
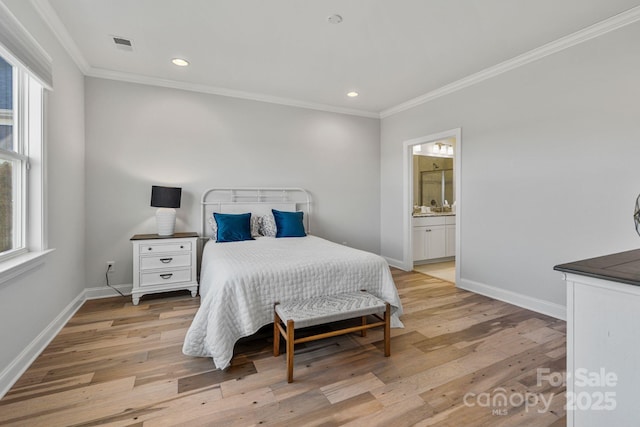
106	275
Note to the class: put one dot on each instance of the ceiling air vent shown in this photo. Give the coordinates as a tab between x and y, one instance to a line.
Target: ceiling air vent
122	43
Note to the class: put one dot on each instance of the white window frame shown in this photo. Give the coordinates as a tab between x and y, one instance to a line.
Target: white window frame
29	213
20	158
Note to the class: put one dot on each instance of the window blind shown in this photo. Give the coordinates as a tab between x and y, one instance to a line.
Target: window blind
24	48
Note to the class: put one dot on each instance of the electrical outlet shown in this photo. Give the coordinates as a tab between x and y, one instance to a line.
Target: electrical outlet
111	266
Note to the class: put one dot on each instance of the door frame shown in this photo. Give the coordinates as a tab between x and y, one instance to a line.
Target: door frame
407	208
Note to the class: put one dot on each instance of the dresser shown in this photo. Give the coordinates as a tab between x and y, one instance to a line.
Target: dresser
603	340
162	264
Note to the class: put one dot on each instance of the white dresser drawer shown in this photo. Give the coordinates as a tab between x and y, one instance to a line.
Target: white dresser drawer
165	261
165	277
165	248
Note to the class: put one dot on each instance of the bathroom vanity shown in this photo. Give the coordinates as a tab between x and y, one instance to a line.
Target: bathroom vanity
603	340
434	236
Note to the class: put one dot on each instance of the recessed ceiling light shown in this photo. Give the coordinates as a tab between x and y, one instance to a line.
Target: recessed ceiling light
335	19
180	62
352	94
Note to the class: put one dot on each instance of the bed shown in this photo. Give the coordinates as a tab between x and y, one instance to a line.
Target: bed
241	280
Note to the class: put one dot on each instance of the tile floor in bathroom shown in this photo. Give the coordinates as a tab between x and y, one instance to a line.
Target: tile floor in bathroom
441	270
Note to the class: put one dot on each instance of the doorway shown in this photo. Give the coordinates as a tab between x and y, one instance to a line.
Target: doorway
437	207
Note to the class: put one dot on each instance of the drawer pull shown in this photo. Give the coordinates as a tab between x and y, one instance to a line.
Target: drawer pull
181	246
150	248
166	275
166	260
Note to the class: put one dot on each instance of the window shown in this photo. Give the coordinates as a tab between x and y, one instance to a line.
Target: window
25	73
20	140
11	163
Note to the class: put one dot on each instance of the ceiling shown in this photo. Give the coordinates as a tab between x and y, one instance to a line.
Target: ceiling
286	50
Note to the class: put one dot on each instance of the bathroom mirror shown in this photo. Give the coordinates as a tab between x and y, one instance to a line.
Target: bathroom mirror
433	181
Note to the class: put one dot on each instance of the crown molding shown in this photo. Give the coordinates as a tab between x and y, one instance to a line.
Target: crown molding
46	12
193	87
50	17
618	21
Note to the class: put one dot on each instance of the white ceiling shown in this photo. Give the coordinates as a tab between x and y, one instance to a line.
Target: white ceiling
390	51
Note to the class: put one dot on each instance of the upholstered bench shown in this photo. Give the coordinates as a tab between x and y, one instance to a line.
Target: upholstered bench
325	309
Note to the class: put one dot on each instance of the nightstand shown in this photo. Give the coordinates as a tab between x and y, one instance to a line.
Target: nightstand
162	264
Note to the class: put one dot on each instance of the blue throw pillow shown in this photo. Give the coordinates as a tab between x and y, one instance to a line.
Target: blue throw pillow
288	224
233	227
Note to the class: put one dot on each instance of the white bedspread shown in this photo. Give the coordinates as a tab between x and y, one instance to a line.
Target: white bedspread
241	281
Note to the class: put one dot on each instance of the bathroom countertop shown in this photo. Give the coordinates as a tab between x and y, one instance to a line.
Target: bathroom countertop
418	215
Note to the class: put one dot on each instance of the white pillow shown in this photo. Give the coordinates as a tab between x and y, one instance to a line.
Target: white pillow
214	228
256	223
268	228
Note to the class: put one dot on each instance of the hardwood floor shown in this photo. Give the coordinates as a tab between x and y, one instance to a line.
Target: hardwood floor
121	365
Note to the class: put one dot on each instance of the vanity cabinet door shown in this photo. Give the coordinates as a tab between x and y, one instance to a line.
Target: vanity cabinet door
436	241
451	239
419	243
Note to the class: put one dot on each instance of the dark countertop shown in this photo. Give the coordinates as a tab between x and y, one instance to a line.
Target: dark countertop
173	236
623	267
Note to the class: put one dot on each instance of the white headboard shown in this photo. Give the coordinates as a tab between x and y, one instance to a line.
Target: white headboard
258	201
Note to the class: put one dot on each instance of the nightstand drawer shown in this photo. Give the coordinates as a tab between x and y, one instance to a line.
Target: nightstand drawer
166	261
165	248
165	277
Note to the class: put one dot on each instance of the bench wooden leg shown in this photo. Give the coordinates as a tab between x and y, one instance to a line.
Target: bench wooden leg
387	331
276	334
363	333
290	346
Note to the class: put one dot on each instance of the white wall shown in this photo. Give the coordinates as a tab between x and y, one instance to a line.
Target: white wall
30	303
550	167
141	135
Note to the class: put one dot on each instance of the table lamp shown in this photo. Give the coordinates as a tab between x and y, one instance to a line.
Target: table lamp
166	199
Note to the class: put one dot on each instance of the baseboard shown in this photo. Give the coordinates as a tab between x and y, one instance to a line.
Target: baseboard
397	264
106	291
530	303
21	363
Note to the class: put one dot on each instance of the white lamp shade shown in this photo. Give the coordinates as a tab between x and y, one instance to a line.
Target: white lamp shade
166	221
